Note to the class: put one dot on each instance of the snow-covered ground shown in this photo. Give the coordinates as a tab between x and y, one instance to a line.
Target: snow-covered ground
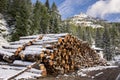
82	72
2	41
116	60
97	68
92	73
3	25
118	77
7	71
117	57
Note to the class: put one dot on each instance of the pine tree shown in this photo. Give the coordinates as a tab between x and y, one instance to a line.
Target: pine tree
79	32
88	34
3	6
106	44
28	14
84	38
36	27
73	29
98	38
20	30
44	21
14	7
64	27
114	35
47	5
22	17
55	19
54	7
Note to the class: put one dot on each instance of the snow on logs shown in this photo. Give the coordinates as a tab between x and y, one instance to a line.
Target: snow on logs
57	53
6	56
8	72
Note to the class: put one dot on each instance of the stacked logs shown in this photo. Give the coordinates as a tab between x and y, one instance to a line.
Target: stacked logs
56	53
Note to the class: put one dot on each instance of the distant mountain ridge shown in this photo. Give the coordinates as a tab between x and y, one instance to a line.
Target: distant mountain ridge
84	20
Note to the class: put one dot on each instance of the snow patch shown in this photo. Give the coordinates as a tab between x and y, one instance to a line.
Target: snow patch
8	71
66	75
118	77
97	68
2	41
92	77
3	25
3	30
115	61
81	74
117	58
99	74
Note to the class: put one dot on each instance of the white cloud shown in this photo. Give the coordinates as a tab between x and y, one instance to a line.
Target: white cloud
104	7
67	8
117	19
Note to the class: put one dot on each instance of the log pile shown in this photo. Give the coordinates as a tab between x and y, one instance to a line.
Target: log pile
56	53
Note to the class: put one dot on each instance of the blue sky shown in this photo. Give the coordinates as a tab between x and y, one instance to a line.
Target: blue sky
105	9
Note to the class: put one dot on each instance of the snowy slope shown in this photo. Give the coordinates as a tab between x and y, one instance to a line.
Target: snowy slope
117	60
3	30
85	20
2	41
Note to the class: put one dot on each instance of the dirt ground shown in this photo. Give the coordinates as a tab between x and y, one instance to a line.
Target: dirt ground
105	74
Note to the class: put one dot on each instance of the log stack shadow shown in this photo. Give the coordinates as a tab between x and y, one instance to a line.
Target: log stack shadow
57	53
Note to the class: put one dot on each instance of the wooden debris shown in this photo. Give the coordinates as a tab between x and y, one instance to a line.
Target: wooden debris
8	71
27	68
6	56
57	53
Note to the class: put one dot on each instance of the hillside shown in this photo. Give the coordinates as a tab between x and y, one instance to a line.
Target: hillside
84	20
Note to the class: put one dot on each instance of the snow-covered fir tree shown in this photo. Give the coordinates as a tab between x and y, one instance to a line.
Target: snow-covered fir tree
3	30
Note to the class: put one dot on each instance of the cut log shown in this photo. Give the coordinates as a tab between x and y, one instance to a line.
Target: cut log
31	37
33	55
48	38
45	42
4	63
57	53
7	56
9	50
19	42
21	63
11	46
29	55
33	73
22	71
56	35
35	49
35	46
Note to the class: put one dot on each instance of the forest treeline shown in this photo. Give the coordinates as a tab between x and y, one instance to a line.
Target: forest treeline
26	18
106	38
